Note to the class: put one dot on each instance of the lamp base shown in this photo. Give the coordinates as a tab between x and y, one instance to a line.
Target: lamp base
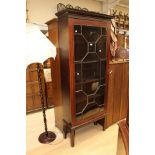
43	138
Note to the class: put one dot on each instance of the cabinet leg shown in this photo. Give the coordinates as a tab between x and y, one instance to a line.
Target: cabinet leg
72	137
105	123
65	132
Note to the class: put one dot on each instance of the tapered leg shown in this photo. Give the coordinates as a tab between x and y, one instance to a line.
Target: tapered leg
72	137
65	132
105	123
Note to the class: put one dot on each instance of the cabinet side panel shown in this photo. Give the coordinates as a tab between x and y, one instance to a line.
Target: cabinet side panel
56	75
64	65
57	96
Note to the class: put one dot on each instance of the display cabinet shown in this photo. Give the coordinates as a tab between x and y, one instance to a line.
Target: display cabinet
82	61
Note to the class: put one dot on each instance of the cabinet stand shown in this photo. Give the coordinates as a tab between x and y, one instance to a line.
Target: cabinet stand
68	128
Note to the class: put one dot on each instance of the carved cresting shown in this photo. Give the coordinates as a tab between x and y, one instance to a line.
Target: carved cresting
61	7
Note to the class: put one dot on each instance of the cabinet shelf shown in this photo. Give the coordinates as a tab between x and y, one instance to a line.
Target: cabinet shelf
89	81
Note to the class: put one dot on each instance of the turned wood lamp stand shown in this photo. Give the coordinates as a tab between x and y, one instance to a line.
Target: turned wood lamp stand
47	136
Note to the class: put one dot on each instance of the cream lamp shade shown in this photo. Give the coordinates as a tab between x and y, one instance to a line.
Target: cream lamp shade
38	47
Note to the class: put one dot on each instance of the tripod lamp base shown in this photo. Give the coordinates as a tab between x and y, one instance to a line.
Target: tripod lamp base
45	139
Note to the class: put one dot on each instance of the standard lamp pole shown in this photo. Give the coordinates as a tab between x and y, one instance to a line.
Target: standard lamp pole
47	136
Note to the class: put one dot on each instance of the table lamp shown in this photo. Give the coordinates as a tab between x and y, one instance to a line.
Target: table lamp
38	49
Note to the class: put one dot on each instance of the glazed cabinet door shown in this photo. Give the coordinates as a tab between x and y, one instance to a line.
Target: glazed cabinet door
89	63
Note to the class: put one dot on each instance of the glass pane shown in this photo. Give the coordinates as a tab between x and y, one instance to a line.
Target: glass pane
101	47
91	33
80	107
91	57
78	87
77	72
90	110
91	98
91	71
81	101
100	100
102	81
80	47
77	29
99	96
103	68
90	107
100	90
104	31
90	88
80	96
90	44
91	47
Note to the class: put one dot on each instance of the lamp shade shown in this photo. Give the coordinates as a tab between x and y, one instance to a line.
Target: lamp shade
38	47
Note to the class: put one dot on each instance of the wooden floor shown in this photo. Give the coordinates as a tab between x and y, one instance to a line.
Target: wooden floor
89	140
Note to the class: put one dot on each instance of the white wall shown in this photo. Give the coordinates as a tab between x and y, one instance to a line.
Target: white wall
40	11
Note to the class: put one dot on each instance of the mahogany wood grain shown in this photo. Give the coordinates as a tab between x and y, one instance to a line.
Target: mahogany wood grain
118	92
63	37
110	97
124	91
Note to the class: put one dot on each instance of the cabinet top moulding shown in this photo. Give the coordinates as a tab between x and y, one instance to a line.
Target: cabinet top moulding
84	14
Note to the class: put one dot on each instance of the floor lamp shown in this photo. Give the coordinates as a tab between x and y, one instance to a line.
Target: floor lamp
38	49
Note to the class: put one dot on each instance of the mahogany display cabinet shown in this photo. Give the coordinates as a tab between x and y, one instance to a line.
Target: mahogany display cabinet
82	65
